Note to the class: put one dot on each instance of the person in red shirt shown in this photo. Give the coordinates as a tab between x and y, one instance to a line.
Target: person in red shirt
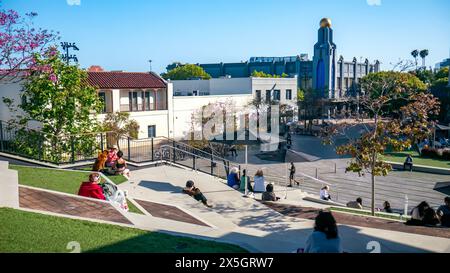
112	156
91	188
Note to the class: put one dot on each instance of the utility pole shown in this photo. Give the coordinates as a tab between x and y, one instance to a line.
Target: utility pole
66	46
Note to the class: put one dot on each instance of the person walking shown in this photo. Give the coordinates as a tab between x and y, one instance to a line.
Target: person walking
292	175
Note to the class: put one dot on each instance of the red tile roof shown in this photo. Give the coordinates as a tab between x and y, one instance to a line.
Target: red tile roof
125	80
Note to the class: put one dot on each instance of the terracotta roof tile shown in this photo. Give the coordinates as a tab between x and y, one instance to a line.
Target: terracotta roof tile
125	80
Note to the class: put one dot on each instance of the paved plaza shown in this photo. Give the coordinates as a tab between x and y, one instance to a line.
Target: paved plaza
311	157
248	222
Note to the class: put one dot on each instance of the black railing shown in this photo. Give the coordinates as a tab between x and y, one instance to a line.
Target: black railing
202	163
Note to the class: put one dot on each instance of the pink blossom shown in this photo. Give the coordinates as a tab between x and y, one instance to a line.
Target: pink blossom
53	78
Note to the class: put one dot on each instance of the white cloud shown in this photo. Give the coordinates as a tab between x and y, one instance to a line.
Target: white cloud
374	2
78	2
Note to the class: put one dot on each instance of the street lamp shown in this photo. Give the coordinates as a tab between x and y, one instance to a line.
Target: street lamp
66	46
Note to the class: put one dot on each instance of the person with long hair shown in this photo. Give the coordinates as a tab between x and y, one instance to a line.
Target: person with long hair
259	184
418	213
325	237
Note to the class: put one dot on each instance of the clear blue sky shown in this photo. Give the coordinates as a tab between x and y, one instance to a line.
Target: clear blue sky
124	34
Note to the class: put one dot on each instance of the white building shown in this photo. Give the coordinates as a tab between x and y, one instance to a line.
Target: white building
149	99
283	90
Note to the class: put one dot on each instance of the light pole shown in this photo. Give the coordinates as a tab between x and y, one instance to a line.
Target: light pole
150	63
66	46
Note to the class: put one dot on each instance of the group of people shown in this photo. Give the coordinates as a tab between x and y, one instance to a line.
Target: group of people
259	185
424	215
112	162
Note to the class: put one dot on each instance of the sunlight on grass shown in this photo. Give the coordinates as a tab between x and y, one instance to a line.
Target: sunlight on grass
26	232
399	157
59	180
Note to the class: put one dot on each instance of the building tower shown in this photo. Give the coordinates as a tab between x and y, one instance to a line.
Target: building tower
324	61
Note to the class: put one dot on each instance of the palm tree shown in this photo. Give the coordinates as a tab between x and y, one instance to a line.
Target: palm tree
423	54
415	53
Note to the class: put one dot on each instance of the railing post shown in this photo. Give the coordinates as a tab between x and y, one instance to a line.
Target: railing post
193	163
317	174
153	159
101	142
1	135
72	147
129	149
212	165
40	147
174	155
335	167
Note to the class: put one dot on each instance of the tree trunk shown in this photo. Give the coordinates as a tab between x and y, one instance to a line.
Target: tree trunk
373	195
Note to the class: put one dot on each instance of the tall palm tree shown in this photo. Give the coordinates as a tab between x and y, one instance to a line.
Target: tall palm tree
423	54
415	53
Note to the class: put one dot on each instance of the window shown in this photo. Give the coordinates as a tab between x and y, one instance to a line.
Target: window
102	97
276	95
258	95
133	100
288	94
151	131
268	96
149	100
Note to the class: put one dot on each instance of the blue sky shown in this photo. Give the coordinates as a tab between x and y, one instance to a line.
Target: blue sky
124	34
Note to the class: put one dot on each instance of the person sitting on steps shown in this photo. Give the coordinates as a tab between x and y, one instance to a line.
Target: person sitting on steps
408	163
324	193
269	194
245	179
355	204
444	212
191	190
233	180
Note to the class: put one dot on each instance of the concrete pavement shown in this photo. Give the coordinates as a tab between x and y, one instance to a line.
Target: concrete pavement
249	223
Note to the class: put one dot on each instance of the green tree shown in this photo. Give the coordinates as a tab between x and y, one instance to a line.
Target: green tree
423	54
261	74
186	72
415	54
441	89
58	97
119	125
398	131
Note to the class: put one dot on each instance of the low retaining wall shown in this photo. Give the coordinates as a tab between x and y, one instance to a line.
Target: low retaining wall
421	168
9	186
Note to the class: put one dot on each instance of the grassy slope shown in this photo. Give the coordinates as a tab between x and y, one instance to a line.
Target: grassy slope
400	158
31	232
58	180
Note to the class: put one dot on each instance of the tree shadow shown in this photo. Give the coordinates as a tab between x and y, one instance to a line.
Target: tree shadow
160	186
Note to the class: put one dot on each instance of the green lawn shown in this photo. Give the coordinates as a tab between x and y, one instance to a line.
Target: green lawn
399	157
32	232
59	180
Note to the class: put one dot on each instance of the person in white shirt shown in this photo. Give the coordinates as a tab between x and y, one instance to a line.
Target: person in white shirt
324	194
259	185
325	237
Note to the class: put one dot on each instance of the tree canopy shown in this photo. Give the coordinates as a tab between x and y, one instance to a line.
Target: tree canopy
261	74
186	72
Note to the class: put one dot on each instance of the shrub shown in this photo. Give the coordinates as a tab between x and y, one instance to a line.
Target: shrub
430	153
446	155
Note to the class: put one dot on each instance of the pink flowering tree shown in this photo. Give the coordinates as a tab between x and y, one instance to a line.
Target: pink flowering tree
59	98
19	40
